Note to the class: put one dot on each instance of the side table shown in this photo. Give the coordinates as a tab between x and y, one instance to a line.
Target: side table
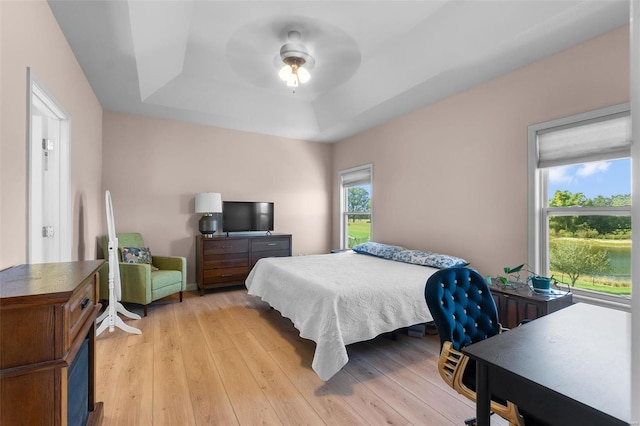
521	303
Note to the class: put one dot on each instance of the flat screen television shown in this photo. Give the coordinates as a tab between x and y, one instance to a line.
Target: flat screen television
245	216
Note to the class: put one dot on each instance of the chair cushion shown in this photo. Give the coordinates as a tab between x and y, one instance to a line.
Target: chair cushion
160	279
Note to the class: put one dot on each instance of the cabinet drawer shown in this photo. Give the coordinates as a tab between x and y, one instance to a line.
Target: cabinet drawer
80	307
225	246
214	276
270	245
232	260
255	256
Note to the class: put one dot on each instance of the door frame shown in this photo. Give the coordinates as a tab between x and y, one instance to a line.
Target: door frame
38	94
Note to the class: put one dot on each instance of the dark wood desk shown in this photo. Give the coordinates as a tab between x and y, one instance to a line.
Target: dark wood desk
571	367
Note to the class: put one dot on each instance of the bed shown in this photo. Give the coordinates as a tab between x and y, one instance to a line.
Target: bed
343	298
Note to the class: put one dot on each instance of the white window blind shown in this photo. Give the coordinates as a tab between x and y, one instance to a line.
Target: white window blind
603	138
356	177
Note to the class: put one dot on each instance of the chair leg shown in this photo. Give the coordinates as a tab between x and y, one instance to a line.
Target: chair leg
180	296
145	310
470	422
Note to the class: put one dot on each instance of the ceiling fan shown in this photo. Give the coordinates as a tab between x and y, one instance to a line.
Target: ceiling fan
297	61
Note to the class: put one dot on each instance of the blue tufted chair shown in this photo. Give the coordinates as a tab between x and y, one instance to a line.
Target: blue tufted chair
464	313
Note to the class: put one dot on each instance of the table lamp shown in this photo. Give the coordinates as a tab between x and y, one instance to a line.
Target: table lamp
208	203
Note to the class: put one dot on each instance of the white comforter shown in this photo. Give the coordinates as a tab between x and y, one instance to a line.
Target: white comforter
339	299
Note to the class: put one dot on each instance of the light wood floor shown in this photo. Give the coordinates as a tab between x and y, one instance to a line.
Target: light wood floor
226	358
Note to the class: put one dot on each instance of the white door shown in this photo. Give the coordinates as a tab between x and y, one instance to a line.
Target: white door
49	210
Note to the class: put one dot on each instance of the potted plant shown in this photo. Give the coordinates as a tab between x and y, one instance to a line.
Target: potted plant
538	282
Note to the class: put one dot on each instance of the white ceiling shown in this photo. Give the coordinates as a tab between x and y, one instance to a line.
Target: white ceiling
216	62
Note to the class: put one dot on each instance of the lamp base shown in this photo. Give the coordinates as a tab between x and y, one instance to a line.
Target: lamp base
207	225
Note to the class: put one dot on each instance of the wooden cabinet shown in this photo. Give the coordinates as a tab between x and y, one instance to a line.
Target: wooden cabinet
47	344
516	305
226	260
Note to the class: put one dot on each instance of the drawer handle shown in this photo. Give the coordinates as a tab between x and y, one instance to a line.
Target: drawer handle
226	275
272	244
227	247
85	303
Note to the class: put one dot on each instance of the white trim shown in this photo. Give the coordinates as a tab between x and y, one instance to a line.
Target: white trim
588	211
619	303
634	57
584	116
538	211
342	190
38	95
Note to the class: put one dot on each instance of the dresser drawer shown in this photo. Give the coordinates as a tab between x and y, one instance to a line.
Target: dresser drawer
218	276
270	244
216	247
80	307
232	260
255	256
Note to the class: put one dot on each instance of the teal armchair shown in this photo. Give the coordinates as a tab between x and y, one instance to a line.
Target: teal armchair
140	284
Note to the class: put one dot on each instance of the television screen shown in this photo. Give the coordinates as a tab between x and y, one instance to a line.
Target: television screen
243	216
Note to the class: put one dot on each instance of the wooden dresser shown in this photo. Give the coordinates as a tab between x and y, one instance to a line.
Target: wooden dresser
47	344
226	260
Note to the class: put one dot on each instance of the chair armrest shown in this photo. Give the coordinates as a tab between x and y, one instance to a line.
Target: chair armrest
173	263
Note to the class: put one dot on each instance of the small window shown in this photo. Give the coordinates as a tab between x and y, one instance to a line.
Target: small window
355	206
580	224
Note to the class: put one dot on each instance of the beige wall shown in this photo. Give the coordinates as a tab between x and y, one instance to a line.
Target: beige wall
452	177
31	37
154	168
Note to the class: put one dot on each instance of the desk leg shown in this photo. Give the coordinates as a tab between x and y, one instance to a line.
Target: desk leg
483	402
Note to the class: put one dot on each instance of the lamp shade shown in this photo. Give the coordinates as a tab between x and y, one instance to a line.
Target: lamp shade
208	202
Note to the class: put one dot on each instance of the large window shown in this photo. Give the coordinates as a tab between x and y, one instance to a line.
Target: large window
580	197
355	206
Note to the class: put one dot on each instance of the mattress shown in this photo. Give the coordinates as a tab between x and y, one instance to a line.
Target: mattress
343	298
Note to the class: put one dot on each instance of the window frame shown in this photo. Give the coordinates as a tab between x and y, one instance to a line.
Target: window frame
539	210
344	214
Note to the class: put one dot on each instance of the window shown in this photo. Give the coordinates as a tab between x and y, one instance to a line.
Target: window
355	206
580	193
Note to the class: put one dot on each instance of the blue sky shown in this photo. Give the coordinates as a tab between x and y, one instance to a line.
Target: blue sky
604	178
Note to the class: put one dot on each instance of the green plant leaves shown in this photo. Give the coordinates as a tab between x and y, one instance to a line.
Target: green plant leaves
514	270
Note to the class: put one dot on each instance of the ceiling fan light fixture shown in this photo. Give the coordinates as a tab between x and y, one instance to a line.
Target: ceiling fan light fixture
285	72
303	75
292	81
295	55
